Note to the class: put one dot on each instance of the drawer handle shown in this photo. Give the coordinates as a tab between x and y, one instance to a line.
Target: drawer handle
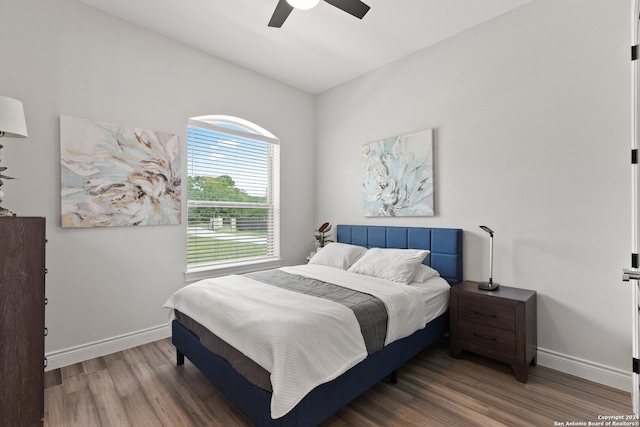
479	313
484	337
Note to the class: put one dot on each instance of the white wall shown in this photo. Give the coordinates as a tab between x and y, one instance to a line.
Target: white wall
531	113
531	118
106	286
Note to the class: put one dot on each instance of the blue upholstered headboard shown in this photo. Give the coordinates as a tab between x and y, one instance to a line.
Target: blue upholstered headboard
445	244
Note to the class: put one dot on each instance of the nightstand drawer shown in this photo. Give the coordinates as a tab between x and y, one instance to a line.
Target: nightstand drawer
494	339
498	316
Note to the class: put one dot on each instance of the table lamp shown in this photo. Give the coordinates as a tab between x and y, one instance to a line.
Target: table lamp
490	285
13	125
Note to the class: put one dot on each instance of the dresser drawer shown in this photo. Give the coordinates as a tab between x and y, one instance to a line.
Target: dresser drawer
490	338
498	316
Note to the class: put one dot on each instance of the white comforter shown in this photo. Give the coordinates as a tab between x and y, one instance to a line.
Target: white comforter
303	341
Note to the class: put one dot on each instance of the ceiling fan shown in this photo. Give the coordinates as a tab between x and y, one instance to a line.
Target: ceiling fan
284	8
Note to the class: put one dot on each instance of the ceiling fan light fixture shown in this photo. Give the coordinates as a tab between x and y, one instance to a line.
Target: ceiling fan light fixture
303	4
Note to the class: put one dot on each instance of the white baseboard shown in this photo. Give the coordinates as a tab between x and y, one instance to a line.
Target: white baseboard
586	369
69	356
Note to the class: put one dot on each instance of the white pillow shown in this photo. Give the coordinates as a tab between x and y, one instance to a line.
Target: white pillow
398	265
424	273
340	255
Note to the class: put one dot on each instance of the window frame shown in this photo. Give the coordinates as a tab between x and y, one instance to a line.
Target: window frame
249	130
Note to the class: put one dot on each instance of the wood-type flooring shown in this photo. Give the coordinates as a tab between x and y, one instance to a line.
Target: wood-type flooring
142	386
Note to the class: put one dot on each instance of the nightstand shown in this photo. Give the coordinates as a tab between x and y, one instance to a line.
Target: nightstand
498	324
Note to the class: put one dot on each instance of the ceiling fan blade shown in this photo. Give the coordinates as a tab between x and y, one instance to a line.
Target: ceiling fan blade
354	7
283	9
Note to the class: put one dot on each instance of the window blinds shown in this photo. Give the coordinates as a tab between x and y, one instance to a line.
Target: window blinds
233	194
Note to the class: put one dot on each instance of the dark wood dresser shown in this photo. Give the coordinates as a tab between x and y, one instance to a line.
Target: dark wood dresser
22	330
498	324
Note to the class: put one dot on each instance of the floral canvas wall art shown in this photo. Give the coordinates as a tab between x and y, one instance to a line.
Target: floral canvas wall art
114	175
397	176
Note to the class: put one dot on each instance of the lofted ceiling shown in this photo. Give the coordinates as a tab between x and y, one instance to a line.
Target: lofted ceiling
316	49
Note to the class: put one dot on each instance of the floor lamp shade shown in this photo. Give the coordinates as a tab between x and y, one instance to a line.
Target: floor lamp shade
12	122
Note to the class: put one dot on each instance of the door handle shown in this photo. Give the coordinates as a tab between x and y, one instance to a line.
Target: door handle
630	275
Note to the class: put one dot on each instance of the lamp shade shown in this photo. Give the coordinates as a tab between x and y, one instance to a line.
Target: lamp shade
303	4
12	121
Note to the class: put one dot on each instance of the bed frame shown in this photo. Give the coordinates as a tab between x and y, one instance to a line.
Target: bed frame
445	245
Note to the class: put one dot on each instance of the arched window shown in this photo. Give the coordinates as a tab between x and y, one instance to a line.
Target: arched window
233	194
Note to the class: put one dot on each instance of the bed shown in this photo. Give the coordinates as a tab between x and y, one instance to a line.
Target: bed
445	256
